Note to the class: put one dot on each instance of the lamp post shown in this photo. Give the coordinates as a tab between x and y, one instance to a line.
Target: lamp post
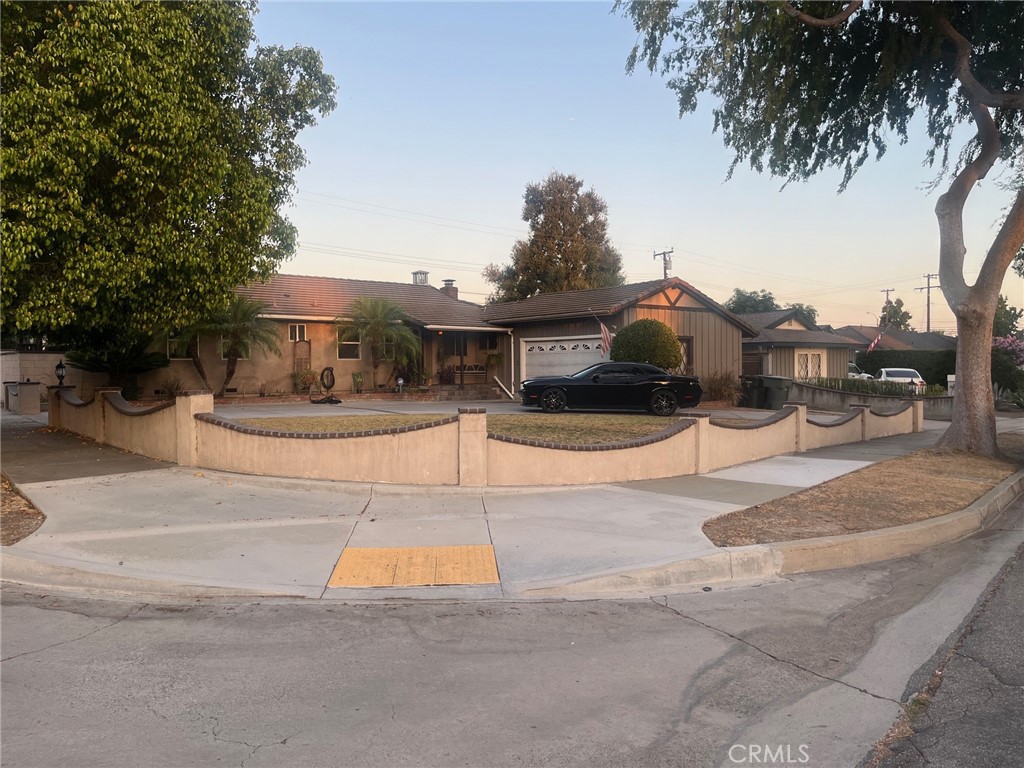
61	370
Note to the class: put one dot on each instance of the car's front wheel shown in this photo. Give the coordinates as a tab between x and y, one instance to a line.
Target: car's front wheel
663	403
552	400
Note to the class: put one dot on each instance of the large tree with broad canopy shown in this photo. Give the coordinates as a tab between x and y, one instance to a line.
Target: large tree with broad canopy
147	151
805	86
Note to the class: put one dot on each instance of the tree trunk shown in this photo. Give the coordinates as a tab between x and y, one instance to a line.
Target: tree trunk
197	363
973	427
229	373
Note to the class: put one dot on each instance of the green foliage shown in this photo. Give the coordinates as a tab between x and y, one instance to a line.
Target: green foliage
303	380
568	248
809	312
1007	319
147	150
378	323
243	329
870	387
895	316
647	341
1005	372
122	356
794	100
748	302
933	365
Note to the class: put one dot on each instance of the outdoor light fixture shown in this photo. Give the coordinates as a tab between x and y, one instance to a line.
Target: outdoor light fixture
61	370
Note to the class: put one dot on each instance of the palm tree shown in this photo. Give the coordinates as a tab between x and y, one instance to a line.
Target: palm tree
243	328
377	323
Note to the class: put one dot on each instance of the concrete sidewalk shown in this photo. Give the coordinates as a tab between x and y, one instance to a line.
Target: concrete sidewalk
120	522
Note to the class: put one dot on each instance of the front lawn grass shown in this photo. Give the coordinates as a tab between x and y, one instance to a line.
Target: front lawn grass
569	428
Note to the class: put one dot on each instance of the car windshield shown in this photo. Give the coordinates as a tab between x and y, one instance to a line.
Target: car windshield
903	373
586	372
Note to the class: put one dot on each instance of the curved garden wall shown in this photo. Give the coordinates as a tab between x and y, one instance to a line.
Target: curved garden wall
455	450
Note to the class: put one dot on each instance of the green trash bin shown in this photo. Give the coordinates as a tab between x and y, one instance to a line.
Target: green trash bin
753	391
776	391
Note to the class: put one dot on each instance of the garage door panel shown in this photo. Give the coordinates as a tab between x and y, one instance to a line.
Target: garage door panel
557	357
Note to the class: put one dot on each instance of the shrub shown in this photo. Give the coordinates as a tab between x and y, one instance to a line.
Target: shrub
647	341
172	386
721	385
871	387
303	380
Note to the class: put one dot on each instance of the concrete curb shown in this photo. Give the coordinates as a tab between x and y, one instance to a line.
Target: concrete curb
768	562
29	572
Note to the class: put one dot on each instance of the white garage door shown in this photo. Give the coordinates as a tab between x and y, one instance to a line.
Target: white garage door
557	357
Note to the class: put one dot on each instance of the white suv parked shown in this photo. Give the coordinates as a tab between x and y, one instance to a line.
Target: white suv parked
902	376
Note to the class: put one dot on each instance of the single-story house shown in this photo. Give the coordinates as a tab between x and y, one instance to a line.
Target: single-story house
789	344
558	333
454	337
462	343
895	339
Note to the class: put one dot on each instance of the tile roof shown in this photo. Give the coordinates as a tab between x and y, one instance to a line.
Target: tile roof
598	301
307	297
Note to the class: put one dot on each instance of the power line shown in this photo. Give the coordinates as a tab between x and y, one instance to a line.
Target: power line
666	260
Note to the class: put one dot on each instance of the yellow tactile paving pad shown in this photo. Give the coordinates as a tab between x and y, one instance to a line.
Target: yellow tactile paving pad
415	566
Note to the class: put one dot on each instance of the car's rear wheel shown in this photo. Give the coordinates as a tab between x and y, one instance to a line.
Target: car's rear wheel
552	400
663	403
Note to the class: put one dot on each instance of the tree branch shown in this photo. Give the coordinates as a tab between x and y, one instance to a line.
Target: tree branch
962	68
814	21
950	207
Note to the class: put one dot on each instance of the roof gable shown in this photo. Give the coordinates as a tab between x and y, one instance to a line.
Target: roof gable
603	302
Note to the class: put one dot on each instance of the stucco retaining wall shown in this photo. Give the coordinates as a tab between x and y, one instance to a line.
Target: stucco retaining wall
418	457
531	462
821	399
452	450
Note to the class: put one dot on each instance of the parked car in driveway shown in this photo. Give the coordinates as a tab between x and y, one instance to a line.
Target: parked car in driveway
902	376
614	386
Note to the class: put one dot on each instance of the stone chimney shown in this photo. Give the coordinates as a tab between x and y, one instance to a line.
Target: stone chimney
449	289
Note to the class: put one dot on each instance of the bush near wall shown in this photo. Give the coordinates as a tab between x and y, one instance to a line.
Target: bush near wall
935	365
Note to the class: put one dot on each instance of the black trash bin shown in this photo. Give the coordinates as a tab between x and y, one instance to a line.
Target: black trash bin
776	391
753	391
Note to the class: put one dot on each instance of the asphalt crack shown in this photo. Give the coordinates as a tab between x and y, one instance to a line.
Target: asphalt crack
80	637
771	656
253	748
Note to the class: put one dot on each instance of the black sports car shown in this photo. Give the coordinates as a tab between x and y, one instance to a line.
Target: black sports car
618	386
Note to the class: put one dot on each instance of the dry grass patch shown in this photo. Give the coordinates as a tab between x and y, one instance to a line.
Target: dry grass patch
916	487
354	423
578	428
569	428
18	516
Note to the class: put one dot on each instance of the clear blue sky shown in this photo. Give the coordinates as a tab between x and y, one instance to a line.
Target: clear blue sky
447	110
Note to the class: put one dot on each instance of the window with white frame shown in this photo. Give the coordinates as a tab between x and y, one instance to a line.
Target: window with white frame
297	332
348	350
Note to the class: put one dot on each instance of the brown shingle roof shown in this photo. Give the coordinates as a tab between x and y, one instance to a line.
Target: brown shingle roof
307	297
788	337
895	339
597	301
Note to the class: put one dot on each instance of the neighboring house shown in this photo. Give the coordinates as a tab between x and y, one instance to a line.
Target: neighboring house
790	345
452	331
894	339
558	333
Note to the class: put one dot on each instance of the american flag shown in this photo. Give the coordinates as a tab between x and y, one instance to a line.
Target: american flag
875	342
606	339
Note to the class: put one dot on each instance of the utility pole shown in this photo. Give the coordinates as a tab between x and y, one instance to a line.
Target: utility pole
887	291
928	303
666	258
